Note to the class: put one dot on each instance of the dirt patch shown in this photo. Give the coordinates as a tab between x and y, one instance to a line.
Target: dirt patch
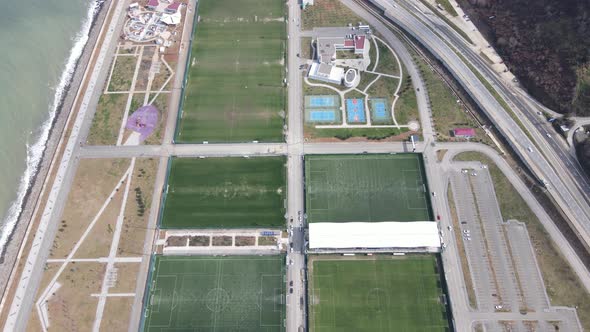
126	278
267	241
199	241
222	241
143	73
98	242
94	181
176	241
242	241
71	307
139	201
161	77
117	313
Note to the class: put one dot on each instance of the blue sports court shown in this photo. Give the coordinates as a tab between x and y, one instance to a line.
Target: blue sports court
322	116
355	110
321	101
379	109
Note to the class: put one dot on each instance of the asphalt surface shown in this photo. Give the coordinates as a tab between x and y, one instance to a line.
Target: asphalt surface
296	301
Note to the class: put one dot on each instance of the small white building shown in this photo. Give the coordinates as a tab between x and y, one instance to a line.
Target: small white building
325	72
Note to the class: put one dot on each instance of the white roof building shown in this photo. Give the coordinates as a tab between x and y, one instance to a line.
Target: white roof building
374	235
325	72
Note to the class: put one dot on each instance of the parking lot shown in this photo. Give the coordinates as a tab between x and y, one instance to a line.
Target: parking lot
508	286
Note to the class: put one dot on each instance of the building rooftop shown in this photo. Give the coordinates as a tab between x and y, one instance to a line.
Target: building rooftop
418	234
153	3
464	132
173	6
359	42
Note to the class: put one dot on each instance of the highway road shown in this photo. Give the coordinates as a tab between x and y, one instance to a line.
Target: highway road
568	198
556	150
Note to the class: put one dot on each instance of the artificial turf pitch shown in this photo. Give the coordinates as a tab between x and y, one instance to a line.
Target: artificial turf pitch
199	293
235	91
383	294
232	192
366	188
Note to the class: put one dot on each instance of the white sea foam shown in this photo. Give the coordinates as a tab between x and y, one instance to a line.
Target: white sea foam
35	151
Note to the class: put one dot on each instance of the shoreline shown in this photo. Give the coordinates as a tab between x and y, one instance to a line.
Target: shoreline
56	128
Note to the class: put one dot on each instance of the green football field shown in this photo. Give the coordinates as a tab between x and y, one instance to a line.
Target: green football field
366	188
199	293
383	294
235	89
231	192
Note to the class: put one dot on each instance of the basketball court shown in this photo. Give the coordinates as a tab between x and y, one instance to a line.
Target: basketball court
355	110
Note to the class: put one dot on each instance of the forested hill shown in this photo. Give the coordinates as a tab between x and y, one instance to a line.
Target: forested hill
545	43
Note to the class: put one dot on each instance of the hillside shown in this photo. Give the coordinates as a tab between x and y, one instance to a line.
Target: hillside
544	43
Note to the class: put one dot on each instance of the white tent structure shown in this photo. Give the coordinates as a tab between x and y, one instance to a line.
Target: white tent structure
171	19
420	234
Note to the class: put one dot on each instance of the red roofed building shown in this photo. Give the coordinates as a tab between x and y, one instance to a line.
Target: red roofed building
152	4
464	132
359	44
173	7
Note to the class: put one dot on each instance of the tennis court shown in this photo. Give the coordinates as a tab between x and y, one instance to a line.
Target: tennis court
366	188
355	110
322	116
379	294
200	293
322	101
323	109
379	111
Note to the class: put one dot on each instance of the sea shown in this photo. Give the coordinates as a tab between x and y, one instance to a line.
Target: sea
40	43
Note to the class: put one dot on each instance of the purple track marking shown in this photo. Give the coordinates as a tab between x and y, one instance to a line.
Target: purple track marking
143	121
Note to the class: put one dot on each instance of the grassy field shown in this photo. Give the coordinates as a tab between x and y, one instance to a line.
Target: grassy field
327	13
107	119
562	284
448	7
235	293
365	188
235	91
225	193
387	62
383	294
123	73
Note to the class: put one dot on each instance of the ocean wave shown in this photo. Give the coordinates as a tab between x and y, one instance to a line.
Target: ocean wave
35	151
